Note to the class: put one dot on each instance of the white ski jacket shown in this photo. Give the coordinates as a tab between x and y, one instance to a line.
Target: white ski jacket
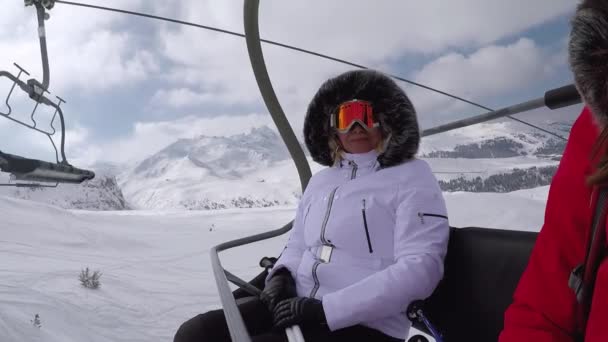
368	241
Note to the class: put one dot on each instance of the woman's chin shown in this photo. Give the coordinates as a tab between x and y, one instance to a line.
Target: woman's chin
360	148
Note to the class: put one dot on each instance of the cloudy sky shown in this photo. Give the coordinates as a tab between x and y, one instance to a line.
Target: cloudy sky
135	85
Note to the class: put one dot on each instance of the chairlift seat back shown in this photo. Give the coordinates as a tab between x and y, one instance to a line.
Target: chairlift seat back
482	269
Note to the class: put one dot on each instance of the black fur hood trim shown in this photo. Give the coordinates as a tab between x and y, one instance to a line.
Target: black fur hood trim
391	107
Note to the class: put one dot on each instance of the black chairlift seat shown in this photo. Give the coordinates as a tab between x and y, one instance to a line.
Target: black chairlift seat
482	269
40	171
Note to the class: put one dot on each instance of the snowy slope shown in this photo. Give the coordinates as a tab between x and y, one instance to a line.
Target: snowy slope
155	265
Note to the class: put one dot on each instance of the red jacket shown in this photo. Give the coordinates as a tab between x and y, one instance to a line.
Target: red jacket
544	306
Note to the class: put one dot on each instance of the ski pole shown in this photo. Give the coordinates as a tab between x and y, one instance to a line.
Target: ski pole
294	334
415	313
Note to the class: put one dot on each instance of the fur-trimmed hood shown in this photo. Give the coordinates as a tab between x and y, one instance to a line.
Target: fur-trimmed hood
391	107
588	53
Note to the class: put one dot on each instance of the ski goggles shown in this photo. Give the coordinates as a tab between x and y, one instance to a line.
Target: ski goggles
351	112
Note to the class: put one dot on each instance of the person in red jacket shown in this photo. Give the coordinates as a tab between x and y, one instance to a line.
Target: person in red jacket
545	308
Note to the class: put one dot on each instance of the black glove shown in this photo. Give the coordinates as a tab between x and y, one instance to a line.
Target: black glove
279	287
299	310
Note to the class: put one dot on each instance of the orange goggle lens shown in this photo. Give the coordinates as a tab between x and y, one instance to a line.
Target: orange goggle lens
351	112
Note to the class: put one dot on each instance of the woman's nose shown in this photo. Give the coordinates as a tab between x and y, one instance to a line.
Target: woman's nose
357	128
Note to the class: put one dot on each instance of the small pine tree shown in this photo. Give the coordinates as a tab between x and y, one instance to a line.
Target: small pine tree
36	321
88	280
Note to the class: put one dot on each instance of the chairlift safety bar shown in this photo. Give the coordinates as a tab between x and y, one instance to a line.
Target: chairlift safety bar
553	99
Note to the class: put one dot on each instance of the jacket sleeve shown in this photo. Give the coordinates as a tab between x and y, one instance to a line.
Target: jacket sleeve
294	249
543	309
543	306
420	245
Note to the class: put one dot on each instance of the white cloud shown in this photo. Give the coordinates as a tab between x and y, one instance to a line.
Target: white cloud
489	71
211	67
150	137
186	97
105	60
185	67
86	51
364	30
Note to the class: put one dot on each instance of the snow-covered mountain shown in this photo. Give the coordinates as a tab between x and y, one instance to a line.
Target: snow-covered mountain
497	140
255	170
242	171
100	193
223	157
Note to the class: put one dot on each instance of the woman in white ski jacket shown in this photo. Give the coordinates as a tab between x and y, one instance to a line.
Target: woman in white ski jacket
371	230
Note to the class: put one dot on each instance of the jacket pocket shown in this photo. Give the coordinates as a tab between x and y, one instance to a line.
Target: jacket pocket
422	215
369	242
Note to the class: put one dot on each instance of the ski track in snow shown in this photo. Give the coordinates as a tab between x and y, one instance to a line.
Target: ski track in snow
156	266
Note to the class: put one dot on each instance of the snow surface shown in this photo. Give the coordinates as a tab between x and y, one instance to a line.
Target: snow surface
155	264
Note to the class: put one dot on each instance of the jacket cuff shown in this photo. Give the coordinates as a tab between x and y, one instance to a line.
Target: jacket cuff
277	269
334	312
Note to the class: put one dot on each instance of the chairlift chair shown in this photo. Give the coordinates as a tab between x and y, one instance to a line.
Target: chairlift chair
482	266
33	171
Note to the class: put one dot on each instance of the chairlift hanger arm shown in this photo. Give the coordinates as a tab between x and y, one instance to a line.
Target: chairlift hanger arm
238	331
46	73
41	5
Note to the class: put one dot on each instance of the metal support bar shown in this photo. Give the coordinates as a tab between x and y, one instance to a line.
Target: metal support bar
522	107
256	56
553	99
238	331
46	75
30	185
252	290
40	99
562	97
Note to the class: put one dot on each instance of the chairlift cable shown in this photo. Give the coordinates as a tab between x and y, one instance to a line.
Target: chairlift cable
417	84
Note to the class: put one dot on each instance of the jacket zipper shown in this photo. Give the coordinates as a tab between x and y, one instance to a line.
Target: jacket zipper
314	290
422	215
327	212
369	243
353	174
